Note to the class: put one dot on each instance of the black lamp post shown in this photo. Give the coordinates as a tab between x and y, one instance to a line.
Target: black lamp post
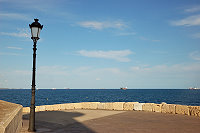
36	27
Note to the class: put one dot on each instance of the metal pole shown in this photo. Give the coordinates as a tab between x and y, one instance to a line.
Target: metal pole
32	107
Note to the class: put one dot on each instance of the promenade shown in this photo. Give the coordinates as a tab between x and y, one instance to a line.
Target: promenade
107	121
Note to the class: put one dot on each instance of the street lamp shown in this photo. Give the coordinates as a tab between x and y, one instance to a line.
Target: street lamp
36	27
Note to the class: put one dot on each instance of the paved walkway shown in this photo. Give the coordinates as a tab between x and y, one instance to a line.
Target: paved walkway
104	121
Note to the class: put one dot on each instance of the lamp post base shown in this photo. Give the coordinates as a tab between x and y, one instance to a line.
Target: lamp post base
29	130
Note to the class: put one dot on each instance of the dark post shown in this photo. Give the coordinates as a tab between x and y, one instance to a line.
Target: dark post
32	108
35	27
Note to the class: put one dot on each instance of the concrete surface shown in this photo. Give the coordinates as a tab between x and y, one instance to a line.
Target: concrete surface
105	121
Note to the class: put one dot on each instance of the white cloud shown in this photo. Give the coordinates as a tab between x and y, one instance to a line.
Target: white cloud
17	48
126	34
161	69
147	39
135	68
30	5
20	33
23	72
14	34
193	9
53	70
5	53
144	76
160	52
195	55
189	21
120	55
97	25
98	79
17	16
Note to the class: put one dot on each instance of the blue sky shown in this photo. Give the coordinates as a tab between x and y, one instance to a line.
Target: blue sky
101	43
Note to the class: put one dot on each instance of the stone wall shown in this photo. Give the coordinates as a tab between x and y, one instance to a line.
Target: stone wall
136	106
11	114
10	117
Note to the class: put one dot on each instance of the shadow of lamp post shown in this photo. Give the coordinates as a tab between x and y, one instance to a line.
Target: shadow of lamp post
35	27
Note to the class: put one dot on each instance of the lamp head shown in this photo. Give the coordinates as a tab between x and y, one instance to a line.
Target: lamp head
35	27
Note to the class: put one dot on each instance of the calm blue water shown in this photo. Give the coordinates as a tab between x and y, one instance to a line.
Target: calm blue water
171	96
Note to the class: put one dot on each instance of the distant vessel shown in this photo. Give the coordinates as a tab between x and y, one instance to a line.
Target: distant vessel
124	88
53	88
194	88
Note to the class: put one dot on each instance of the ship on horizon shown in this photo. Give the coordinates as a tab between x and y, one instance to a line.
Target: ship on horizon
124	88
194	88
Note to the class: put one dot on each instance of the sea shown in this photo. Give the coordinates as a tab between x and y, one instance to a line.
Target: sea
59	96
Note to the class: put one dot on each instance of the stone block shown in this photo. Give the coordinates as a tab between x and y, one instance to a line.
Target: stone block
56	107
194	110
40	108
138	106
168	108
101	106
48	107
182	109
26	110
148	107
69	106
85	105
94	105
62	106
157	107
77	105
129	105
109	106
37	108
118	105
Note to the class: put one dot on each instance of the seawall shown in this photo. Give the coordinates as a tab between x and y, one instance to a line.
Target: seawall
10	117
134	106
11	114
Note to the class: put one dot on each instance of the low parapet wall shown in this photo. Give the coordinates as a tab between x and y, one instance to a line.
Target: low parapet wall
151	107
10	117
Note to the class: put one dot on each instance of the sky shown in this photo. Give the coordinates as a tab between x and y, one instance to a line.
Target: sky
141	44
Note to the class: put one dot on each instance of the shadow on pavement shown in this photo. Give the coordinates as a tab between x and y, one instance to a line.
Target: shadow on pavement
56	122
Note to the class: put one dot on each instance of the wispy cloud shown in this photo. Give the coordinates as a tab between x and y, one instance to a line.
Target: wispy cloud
5	53
57	70
14	34
99	25
17	48
189	21
120	55
23	72
20	33
197	35
175	68
30	5
193	9
126	34
160	52
147	39
195	55
17	16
